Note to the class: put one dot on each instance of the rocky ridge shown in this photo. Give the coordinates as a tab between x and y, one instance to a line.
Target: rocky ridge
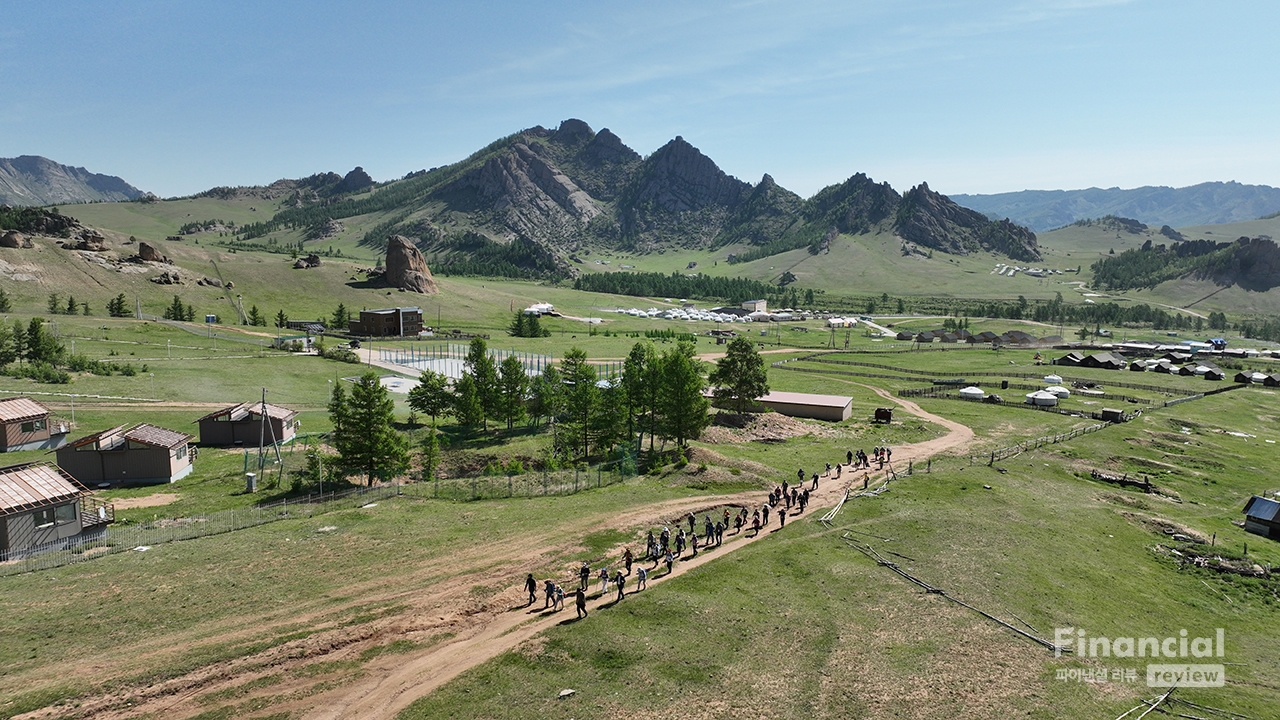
31	180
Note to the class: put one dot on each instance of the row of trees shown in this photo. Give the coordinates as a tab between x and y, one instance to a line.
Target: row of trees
658	395
32	343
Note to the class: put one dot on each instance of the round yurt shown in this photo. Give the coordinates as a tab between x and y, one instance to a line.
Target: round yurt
971	393
1058	391
1042	398
1053	379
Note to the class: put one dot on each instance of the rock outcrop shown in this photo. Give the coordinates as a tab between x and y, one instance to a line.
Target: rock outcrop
354	181
90	240
313	261
148	253
407	268
932	220
168	277
12	239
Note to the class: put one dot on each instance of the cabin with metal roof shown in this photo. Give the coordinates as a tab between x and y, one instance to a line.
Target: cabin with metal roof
243	424
25	425
809	405
1262	517
141	455
42	508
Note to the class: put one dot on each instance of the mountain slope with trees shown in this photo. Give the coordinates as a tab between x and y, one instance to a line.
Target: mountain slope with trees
31	180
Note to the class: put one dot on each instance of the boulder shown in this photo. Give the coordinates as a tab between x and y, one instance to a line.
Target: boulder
150	254
210	282
407	268
167	278
310	261
12	239
90	240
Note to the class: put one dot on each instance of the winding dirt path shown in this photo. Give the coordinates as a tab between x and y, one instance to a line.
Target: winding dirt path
438	604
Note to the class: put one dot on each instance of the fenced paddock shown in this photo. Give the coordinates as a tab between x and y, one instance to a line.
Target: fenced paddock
142	537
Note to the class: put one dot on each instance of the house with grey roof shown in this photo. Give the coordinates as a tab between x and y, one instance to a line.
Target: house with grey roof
43	508
140	455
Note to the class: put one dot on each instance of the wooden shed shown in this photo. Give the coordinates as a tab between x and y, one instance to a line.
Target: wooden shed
42	508
25	425
141	455
1262	517
243	425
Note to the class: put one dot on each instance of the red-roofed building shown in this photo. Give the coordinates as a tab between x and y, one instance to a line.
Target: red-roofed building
42	508
25	425
141	455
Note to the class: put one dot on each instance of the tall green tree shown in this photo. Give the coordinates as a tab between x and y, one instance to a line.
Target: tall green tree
513	383
431	396
19	340
282	320
40	345
637	396
72	306
341	318
740	376
485	373
548	394
363	432
176	310
5	304
8	350
430	447
467	407
581	398
55	303
682	406
255	317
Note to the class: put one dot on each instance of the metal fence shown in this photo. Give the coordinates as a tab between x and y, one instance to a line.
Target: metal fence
142	537
527	485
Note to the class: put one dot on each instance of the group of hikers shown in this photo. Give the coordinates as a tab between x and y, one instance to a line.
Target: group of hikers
665	548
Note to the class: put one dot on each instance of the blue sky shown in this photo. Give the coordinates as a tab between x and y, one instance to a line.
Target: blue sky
973	97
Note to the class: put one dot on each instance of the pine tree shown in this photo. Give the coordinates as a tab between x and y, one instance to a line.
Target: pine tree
256	318
341	318
8	351
740	376
116	306
55	303
176	310
683	408
466	402
513	382
548	394
431	395
581	398
282	320
637	398
5	304
72	305
485	374
363	432
19	340
517	328
430	453
41	346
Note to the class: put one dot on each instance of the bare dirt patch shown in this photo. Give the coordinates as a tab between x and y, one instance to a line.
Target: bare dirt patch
765	427
145	501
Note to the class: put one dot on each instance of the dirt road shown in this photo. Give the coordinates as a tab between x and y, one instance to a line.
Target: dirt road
438	602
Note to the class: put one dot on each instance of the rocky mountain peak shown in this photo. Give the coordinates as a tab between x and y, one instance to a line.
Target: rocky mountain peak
34	180
354	181
573	132
679	178
930	219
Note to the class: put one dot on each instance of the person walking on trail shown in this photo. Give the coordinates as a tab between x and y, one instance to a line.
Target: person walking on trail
580	601
764	512
671	561
800	474
848	457
828	468
584	575
604	578
693	520
559	598
666	538
755	525
719	532
627	559
549	589
726	518
620	580
888	454
642	579
708	528
693	543
815	481
782	519
531	587
737	523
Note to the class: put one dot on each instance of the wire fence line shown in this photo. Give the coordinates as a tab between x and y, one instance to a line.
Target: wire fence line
144	536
